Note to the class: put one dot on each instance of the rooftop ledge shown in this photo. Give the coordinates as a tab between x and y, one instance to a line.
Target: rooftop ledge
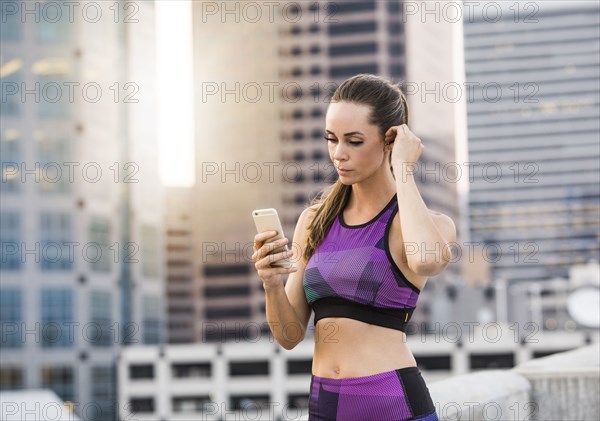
561	386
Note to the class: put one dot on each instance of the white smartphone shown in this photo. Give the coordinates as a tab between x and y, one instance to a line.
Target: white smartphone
268	220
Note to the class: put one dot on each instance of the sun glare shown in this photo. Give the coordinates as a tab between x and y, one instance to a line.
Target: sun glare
175	105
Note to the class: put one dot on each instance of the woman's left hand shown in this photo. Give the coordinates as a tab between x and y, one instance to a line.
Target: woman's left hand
407	147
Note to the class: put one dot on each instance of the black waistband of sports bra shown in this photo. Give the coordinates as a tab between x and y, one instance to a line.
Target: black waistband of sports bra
394	318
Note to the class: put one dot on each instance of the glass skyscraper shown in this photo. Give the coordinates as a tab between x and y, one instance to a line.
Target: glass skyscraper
81	247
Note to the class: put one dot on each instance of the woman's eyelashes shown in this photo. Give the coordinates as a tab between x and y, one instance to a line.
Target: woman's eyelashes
335	140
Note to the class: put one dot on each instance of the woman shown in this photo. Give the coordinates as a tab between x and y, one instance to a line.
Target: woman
356	271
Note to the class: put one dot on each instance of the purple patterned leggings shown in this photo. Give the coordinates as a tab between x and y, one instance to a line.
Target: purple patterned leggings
390	396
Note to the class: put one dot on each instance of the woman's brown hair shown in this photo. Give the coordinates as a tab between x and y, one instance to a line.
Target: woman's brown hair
388	108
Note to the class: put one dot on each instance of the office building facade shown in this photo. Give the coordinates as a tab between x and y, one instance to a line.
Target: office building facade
533	131
81	235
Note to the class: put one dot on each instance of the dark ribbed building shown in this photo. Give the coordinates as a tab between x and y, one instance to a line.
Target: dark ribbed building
533	127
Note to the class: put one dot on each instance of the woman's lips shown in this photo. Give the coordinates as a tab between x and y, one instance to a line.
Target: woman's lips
343	171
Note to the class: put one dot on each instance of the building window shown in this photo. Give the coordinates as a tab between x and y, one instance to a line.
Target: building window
10	318
297	114
215	271
350	7
397	70
492	361
100	334
396	49
10	239
55	233
141	371
294	10
100	254
318	155
57	318
249	368
353	49
299	366
150	251
352	28
227	312
227	291
103	392
151	308
185	370
179	279
434	362
300	199
11	79
141	405
182	404
249	402
394	6
298	156
178	233
352	69
180	310
60	380
293	94
225	334
53	152
315	49
11	378
395	28
298	135
183	295
178	263
10	157
178	247
299	178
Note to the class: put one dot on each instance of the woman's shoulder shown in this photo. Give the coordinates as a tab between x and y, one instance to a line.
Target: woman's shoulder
308	214
315	207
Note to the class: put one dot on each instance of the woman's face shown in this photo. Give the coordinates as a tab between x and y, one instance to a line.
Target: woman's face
353	143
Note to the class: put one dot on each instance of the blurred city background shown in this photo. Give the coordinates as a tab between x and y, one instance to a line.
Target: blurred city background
137	137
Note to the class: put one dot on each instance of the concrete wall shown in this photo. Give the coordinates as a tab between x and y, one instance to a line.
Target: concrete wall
564	386
489	395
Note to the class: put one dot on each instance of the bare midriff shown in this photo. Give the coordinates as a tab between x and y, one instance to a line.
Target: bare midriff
350	348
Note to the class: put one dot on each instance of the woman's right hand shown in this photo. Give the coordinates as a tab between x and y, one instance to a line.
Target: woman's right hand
271	276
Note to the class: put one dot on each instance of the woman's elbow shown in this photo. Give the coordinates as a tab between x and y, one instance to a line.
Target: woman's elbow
289	345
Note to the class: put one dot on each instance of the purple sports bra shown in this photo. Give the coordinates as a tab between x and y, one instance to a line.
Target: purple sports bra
352	274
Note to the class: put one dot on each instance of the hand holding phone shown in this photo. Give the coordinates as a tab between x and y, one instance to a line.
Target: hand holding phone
268	220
